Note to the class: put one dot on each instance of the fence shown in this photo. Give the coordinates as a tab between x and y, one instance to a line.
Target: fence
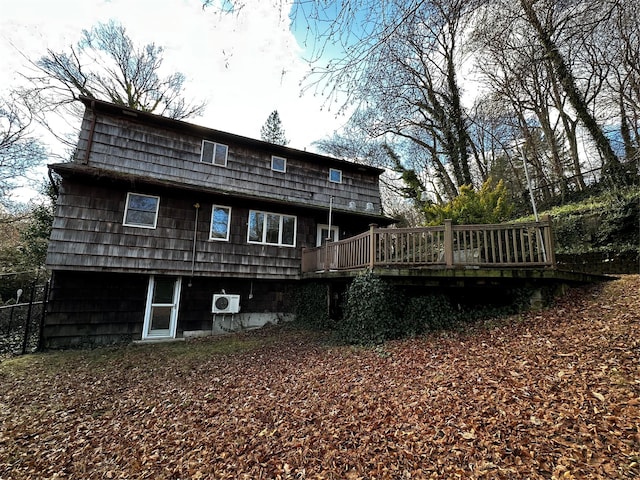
22	319
445	246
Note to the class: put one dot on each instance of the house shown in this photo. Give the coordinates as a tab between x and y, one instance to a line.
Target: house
166	229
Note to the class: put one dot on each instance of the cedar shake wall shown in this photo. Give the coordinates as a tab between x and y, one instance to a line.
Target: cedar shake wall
266	296
131	147
88	234
86	309
97	308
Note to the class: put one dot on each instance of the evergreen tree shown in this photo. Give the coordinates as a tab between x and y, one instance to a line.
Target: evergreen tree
272	130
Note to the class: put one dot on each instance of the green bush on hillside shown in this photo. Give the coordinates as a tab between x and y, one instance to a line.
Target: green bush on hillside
490	204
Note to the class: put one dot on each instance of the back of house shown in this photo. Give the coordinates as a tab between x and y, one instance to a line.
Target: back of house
166	229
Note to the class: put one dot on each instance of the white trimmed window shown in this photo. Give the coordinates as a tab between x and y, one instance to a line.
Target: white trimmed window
335	175
141	210
271	229
220	222
214	153
278	164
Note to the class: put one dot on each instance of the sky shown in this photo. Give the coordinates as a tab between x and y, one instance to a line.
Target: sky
244	65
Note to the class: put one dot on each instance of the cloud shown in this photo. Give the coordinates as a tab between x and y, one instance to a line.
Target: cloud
245	64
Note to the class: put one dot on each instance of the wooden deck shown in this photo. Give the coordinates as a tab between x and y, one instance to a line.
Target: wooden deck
516	246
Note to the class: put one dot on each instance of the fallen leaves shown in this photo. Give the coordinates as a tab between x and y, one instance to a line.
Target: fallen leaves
555	394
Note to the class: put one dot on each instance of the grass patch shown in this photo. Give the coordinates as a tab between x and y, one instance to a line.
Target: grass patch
189	352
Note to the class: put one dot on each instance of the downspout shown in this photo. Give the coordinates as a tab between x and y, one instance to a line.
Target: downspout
330	214
92	129
193	251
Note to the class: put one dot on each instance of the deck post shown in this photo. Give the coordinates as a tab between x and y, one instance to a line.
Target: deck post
448	242
549	242
372	245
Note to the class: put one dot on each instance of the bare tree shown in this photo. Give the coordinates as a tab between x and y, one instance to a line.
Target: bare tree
617	45
400	67
105	64
563	73
19	150
546	18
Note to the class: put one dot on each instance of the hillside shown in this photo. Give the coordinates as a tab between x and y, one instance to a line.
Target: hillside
600	233
550	394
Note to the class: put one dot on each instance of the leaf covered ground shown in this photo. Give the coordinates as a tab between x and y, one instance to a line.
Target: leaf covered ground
549	394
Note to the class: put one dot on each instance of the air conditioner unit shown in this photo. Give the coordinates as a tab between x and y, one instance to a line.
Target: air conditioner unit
225	303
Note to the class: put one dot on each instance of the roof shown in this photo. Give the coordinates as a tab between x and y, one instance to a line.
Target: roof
204	132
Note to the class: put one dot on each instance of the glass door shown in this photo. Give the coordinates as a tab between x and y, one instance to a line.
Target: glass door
325	233
161	314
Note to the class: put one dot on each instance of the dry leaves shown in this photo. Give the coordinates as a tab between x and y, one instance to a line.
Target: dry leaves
555	394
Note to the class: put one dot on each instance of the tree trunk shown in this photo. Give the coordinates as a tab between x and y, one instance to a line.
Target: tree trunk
611	165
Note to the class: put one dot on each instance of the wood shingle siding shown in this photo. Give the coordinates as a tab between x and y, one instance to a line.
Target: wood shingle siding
130	147
94	237
86	309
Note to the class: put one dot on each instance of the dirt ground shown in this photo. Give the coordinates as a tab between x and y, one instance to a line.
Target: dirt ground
547	394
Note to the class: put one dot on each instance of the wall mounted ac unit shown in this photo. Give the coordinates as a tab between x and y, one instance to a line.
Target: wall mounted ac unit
225	303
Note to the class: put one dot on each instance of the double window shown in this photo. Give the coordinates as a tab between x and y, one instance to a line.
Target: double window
214	153
271	229
220	222
141	210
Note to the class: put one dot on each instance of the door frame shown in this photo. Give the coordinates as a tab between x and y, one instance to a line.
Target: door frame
334	233
147	333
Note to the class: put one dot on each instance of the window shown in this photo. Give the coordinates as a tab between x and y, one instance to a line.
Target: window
220	221
271	229
278	164
141	210
214	153
335	175
161	311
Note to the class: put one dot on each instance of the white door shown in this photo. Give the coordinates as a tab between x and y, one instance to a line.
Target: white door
330	259
325	233
161	314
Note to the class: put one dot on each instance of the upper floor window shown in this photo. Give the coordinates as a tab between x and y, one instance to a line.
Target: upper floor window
335	175
278	164
220	221
214	153
141	210
272	229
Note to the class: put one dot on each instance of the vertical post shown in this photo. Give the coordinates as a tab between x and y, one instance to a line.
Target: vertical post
303	260
549	243
45	301
25	340
372	245
448	242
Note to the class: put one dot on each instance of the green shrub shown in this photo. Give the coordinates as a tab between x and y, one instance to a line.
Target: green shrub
428	313
372	313
490	204
310	306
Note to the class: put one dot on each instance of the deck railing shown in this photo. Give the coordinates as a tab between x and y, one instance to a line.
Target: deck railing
445	246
